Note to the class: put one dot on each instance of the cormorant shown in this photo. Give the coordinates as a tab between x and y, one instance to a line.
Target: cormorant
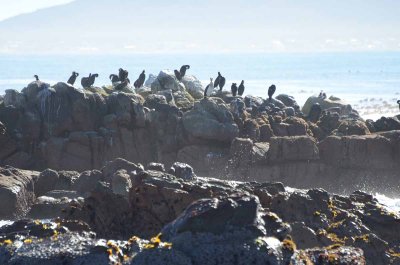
209	89
234	89
88	81
73	77
114	78
398	102
241	88
36	77
178	75
140	81
183	69
122	74
271	91
219	81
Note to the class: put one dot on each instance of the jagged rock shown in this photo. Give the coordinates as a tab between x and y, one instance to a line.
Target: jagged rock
87	181
218	216
387	124
166	80
150	80
304	236
193	86
353	128
46	181
289	101
48	207
121	183
183	171
210	119
66	180
113	166
16	192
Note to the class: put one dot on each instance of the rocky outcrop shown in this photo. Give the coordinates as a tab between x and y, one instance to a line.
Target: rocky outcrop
16	192
210	120
202	220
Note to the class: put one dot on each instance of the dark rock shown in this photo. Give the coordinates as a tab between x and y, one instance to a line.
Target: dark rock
183	171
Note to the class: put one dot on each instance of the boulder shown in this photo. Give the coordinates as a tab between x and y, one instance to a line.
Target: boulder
289	101
182	171
16	192
48	207
150	80
210	119
218	216
193	86
332	102
112	167
87	181
166	80
121	183
353	127
46	181
294	148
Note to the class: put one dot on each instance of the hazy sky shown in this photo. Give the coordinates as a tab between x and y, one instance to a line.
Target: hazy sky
199	26
10	8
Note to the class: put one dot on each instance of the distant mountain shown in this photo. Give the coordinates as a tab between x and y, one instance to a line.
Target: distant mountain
187	25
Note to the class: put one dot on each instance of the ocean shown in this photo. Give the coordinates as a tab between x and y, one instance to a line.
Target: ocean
368	81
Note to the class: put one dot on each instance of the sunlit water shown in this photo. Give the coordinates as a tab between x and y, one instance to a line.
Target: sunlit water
368	81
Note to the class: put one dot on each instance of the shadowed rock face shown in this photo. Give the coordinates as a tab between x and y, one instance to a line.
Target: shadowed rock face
206	220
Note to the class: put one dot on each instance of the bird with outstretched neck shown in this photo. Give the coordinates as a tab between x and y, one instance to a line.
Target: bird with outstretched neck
73	77
36	77
183	69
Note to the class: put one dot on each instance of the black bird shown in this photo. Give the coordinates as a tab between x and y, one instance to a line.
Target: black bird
140	81
114	78
88	81
234	89
73	77
183	69
178	75
219	81
398	102
122	74
271	91
36	77
241	88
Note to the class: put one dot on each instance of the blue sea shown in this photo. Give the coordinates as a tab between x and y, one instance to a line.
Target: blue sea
368	81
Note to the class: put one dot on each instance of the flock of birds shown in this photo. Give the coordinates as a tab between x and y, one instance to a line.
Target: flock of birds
121	80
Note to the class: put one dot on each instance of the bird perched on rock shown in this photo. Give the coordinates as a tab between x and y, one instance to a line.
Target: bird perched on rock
219	81
241	88
183	69
88	81
122	75
209	89
140	81
73	77
271	91
322	95
398	102
36	77
114	79
178	75
234	89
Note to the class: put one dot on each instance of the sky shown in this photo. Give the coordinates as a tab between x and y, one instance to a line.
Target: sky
10	8
144	26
